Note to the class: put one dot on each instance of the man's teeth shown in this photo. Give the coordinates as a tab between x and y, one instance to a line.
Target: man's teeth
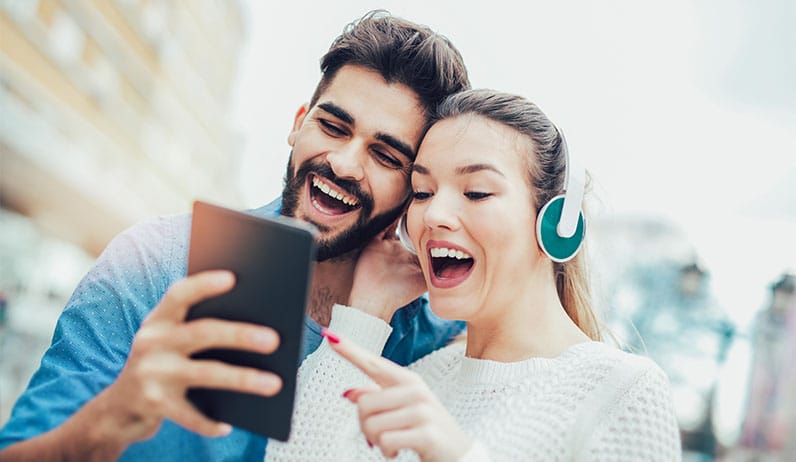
329	191
450	253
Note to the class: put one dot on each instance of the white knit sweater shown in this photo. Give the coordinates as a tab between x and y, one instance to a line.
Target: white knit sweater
593	402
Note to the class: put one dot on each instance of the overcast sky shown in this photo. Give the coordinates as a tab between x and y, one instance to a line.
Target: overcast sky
684	111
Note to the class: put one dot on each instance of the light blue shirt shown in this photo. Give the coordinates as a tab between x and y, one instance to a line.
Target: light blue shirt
95	331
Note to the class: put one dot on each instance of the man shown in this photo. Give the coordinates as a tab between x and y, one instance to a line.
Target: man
112	385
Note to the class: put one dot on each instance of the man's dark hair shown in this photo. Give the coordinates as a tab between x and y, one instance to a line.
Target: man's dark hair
402	52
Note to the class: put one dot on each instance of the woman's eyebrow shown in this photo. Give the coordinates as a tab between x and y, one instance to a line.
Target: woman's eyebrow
464	170
417	168
473	168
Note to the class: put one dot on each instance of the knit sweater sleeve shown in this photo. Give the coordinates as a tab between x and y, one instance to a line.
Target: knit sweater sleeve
325	426
641	426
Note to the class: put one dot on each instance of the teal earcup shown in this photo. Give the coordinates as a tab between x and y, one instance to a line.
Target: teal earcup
558	248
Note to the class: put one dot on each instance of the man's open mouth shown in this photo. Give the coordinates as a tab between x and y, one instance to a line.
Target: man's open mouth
449	266
329	198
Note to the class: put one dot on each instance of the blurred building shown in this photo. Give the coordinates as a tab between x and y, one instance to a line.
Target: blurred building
115	110
111	111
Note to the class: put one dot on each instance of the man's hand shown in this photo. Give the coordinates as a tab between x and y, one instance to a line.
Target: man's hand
401	412
158	372
387	277
160	369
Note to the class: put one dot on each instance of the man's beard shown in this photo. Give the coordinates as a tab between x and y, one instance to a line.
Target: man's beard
359	234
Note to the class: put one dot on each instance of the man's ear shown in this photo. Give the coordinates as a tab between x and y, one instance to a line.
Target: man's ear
297	121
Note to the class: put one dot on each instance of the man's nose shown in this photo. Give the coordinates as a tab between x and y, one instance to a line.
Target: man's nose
346	161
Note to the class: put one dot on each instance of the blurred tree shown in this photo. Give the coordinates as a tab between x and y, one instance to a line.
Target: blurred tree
673	317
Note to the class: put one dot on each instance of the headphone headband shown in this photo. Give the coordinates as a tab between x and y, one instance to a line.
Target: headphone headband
574	180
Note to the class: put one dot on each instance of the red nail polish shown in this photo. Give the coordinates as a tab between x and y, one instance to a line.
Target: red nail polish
348	392
329	335
370	445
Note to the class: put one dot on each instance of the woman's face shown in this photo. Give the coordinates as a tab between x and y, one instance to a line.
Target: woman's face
472	218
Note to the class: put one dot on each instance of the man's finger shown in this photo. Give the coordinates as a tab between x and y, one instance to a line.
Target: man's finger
206	333
383	371
191	290
191	418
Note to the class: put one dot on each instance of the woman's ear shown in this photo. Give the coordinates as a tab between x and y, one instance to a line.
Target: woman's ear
298	120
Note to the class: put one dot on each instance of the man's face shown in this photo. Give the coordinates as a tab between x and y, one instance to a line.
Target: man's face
348	171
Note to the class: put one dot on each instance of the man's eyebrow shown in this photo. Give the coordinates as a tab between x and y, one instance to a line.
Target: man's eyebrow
397	144
338	112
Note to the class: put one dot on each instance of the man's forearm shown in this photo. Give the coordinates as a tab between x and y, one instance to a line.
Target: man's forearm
97	432
55	445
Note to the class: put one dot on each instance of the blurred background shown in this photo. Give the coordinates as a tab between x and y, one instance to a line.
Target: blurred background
112	111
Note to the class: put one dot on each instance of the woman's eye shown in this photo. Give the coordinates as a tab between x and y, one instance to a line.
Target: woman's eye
419	195
331	128
475	195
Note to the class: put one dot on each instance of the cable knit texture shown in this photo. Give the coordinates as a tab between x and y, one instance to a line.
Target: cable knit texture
593	403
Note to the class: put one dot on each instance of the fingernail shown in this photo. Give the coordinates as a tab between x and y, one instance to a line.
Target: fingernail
348	392
267	381
370	445
263	338
224	429
222	278
330	335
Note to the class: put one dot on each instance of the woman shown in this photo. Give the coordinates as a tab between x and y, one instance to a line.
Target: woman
532	381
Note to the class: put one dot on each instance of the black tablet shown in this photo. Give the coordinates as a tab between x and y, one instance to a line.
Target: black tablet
272	259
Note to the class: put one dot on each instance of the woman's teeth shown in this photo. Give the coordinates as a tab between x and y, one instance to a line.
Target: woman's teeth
331	192
438	252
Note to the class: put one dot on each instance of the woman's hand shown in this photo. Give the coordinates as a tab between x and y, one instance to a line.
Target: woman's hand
401	412
387	277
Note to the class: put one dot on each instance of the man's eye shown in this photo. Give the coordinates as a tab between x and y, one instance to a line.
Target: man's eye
387	159
420	196
476	196
331	128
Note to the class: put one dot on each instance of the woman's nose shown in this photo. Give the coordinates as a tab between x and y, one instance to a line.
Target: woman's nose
441	212
346	161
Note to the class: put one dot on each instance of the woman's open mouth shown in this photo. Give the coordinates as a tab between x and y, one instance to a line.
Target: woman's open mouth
450	265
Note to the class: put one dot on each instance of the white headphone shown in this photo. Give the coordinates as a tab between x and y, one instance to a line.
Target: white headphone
560	225
403	235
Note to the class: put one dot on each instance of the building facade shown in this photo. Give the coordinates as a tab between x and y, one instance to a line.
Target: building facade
111	111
